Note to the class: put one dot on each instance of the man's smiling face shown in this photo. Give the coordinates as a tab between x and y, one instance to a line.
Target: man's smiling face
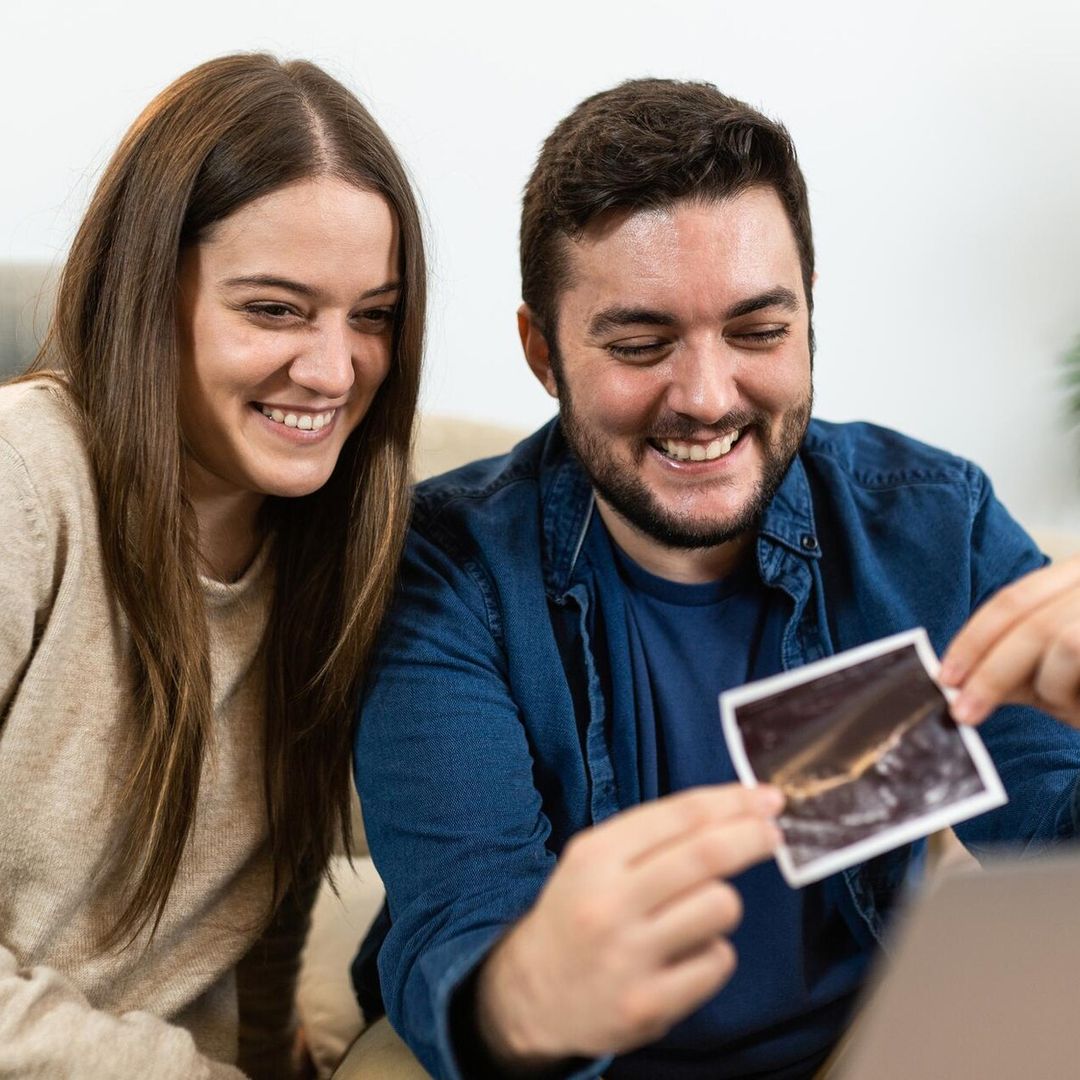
682	366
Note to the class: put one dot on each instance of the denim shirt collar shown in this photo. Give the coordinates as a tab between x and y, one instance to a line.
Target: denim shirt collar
568	504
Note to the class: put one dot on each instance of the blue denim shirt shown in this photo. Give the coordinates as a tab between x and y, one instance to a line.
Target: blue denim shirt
489	734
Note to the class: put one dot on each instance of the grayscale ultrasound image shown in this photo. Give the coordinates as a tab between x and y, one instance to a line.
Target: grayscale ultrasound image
857	751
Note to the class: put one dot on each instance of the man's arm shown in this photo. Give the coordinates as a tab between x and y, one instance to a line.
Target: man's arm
452	816
627	934
1038	757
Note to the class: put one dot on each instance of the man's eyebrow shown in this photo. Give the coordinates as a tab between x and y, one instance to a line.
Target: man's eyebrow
271	281
780	297
615	318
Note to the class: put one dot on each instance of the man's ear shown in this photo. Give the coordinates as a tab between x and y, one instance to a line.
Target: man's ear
535	347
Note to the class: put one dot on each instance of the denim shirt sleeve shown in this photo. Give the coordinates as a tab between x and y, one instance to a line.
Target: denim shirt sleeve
1037	757
453	818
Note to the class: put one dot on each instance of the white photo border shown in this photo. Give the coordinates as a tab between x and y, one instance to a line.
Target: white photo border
992	795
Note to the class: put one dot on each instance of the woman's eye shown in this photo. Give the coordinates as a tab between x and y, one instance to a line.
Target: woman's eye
271	312
376	318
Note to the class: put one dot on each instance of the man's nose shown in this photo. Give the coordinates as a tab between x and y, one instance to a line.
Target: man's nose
325	366
703	382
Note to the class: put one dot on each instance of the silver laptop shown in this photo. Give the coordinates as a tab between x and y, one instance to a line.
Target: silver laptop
983	981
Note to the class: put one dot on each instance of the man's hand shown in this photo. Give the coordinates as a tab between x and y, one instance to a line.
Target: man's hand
629	934
1021	646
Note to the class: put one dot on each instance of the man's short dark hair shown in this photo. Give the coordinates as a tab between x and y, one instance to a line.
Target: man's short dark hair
647	144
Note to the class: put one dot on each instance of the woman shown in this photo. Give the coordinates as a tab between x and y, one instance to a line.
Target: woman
202	514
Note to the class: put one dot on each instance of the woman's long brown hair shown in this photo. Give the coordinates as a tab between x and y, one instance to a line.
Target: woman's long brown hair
225	133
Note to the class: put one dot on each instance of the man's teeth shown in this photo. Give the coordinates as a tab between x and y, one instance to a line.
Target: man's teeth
684	451
303	421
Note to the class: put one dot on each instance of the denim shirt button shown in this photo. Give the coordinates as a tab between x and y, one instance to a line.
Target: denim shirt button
809	543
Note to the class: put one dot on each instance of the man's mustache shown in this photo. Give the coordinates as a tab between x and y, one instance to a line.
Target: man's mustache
678	427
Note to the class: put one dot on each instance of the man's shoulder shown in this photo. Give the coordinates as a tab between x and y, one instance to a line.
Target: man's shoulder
492	490
874	457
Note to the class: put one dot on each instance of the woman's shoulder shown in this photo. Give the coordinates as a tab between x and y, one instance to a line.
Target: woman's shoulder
41	441
38	409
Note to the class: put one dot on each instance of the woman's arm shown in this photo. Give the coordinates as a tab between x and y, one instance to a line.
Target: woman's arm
25	572
47	1025
48	1028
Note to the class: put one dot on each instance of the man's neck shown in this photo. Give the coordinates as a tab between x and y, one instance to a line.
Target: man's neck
688	566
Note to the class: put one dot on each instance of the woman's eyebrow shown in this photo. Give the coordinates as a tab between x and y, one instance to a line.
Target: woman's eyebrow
272	281
379	290
268	281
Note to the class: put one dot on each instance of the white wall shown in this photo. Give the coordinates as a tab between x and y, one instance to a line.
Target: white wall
941	143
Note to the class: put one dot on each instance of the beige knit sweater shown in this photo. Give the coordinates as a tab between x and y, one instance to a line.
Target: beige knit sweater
163	1008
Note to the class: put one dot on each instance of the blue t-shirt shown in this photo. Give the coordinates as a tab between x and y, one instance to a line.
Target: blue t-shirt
799	965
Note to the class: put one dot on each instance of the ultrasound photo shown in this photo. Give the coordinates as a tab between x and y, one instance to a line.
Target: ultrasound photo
864	749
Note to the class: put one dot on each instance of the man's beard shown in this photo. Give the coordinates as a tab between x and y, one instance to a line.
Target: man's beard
624	490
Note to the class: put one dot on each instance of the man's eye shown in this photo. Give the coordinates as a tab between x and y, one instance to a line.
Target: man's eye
763	337
644	351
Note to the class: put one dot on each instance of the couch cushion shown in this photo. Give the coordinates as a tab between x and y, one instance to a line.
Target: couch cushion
325	1001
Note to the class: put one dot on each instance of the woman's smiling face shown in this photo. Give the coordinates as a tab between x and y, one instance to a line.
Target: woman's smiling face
286	315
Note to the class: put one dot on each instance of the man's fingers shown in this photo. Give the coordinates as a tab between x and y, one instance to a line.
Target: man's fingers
1002	612
677	989
691	921
1057	680
717	851
1014	667
634	833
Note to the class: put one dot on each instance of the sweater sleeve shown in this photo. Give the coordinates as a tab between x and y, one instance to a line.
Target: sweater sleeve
48	1028
24	572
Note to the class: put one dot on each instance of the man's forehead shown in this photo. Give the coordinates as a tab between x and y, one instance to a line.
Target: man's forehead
743	244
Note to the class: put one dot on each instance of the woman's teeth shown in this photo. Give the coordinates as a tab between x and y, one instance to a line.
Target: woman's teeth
684	451
303	421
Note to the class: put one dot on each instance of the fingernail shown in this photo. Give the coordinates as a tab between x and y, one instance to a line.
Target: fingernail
950	673
770	799
964	710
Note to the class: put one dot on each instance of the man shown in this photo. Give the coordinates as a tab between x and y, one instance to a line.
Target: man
570	868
